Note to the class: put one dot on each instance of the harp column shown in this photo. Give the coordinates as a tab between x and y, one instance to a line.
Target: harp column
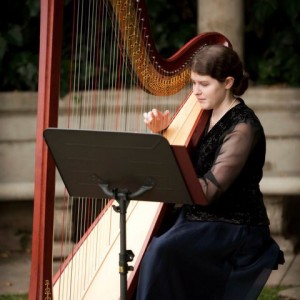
44	184
224	16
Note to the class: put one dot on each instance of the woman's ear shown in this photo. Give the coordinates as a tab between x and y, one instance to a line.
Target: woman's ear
229	82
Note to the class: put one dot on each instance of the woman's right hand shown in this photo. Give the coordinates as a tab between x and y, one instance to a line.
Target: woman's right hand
156	120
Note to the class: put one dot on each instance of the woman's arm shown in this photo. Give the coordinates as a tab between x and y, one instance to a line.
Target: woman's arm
229	161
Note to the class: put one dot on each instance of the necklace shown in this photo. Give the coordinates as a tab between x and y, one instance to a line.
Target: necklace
211	123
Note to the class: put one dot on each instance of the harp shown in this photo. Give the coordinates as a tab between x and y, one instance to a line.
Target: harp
115	75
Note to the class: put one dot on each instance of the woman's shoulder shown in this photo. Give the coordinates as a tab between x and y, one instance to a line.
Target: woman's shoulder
243	113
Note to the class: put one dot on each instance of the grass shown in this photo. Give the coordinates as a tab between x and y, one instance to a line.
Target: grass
268	293
14	297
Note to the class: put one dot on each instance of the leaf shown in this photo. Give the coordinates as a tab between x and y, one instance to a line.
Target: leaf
14	35
264	9
3	47
34	7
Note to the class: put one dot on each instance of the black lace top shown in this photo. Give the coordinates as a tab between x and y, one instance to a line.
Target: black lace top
229	162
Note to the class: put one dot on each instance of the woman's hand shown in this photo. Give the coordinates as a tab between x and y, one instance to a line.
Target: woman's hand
156	120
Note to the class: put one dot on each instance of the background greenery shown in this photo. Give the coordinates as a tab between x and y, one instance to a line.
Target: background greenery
272	39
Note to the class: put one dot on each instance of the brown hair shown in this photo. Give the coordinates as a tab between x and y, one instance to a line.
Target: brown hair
220	62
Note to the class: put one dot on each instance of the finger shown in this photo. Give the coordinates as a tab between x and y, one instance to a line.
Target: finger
155	112
166	112
145	115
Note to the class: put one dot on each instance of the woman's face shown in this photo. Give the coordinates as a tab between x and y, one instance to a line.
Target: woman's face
210	92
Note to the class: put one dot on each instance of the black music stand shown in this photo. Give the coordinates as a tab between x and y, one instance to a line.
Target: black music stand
120	165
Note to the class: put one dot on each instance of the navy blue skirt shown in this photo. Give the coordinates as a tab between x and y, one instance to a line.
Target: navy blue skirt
197	260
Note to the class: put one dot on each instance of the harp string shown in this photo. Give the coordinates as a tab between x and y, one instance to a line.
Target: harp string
66	236
83	108
111	69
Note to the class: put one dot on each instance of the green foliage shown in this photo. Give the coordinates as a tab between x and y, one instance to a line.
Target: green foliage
270	293
173	23
272	45
19	44
14	297
272	39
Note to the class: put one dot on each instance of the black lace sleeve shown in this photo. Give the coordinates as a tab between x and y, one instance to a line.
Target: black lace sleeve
229	161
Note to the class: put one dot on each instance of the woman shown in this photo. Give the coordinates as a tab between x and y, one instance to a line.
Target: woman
222	250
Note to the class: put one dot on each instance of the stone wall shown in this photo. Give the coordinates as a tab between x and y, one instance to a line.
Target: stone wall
17	154
279	112
277	108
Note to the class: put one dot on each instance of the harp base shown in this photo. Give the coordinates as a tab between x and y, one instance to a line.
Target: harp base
123	197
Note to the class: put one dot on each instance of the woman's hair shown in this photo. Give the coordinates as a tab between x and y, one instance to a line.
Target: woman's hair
219	62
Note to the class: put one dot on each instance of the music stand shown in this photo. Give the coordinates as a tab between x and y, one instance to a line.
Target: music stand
121	165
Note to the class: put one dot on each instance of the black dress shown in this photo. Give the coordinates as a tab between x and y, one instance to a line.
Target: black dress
223	250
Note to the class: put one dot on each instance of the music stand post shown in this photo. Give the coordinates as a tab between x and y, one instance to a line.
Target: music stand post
101	164
123	197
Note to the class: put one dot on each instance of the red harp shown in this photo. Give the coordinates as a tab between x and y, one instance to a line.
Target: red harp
115	75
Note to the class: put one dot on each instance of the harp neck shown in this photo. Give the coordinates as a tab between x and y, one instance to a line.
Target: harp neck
158	76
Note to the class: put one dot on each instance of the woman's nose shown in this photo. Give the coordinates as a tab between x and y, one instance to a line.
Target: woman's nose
197	90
